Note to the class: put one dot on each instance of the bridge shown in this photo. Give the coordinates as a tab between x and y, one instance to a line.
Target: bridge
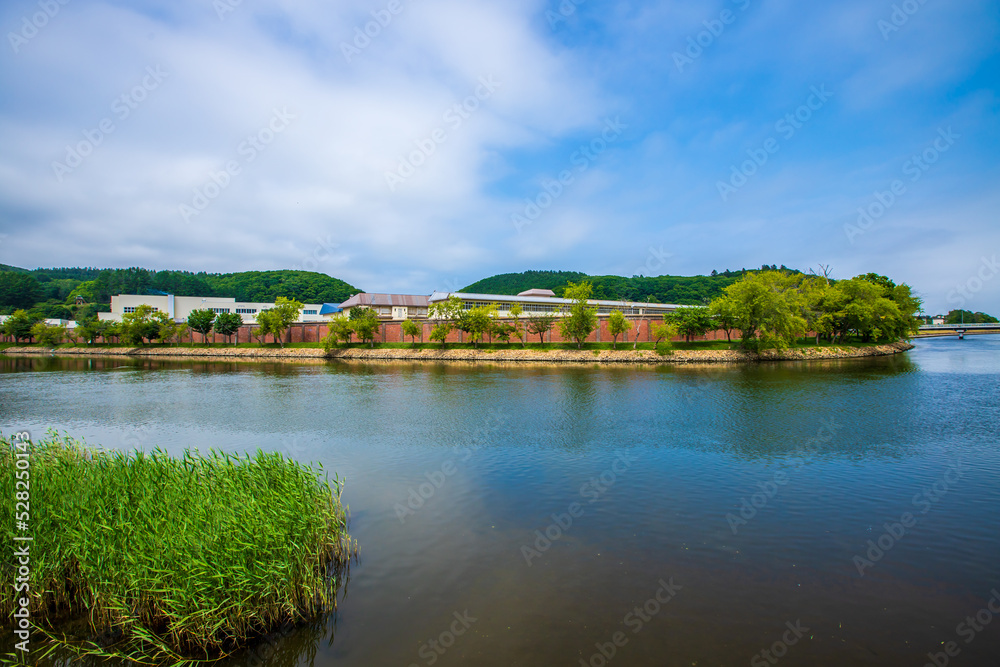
956	329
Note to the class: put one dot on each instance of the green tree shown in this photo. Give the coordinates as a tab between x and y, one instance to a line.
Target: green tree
867	311
48	335
440	332
365	325
582	319
227	324
540	324
19	324
168	330
691	321
139	326
450	309
93	328
663	331
202	321
19	290
968	317
722	311
411	329
617	325
265	325
276	320
766	307
515	313
477	322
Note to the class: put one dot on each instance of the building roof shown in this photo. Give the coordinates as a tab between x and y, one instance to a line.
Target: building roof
366	299
328	308
555	301
537	292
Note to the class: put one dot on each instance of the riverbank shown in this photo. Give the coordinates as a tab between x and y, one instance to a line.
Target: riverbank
194	557
466	355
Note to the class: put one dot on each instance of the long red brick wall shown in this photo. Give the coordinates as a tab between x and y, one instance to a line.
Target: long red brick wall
391	332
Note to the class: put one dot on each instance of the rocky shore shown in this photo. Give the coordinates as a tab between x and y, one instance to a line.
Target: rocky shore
506	356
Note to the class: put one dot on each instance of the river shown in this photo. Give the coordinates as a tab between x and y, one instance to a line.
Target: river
822	513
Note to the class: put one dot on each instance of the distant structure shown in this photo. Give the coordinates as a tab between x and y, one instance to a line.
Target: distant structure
178	308
389	306
536	301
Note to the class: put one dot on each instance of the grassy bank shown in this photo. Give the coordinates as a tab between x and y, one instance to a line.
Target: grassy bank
173	558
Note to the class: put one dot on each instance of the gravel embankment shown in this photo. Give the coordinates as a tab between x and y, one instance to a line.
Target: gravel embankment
523	355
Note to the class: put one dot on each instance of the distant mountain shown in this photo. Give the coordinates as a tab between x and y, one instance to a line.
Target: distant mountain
688	290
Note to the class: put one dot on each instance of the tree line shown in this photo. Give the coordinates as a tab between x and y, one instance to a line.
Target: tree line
764	310
52	293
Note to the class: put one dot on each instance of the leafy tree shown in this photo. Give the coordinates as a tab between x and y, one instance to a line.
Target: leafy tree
617	325
450	309
440	332
691	321
113	330
276	320
202	321
503	331
264	320
477	322
227	324
47	335
19	290
167	329
19	324
968	317
766	308
91	329
139	326
867	311
582	319
411	329
664	331
540	324
365	325
723	312
515	313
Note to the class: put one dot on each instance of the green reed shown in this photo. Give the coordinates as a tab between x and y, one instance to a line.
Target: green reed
175	558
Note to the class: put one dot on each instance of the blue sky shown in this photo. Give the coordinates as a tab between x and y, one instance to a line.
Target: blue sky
458	139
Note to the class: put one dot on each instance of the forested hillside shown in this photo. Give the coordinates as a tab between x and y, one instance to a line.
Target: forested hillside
53	292
688	290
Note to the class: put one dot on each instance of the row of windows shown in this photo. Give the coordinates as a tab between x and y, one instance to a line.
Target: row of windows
310	312
219	310
246	311
131	309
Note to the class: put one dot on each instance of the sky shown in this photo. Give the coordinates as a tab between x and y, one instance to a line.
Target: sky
419	145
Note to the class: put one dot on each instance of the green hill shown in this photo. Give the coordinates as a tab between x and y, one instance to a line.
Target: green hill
53	292
689	290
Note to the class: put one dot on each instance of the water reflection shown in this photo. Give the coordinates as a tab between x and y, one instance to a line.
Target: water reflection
703	437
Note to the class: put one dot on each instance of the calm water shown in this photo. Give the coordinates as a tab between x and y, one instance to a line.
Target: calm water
451	470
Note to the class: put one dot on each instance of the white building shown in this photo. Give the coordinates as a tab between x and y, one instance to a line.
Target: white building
536	301
179	308
394	306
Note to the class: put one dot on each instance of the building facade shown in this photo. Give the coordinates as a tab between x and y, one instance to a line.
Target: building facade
538	301
395	307
178	308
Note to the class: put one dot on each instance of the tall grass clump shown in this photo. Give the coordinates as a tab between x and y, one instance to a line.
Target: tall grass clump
172	559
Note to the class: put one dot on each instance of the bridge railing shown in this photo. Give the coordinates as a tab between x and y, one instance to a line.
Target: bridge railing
939	327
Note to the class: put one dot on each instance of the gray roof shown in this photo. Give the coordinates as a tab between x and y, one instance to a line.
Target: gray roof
366	299
555	301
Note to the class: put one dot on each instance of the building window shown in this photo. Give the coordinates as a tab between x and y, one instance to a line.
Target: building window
246	311
309	312
131	309
219	310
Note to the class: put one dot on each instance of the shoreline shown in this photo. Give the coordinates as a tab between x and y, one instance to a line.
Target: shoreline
463	355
